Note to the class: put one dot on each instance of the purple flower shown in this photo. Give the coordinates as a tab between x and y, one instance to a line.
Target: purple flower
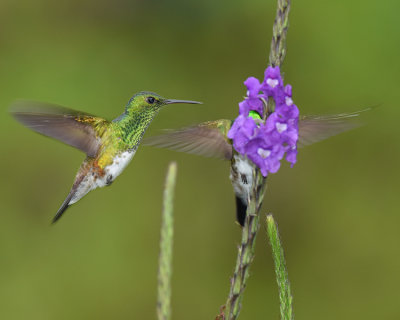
241	132
291	155
253	86
288	90
265	153
287	112
266	143
285	124
272	77
252	101
273	83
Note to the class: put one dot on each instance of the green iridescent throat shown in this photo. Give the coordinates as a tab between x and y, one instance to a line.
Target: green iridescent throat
132	125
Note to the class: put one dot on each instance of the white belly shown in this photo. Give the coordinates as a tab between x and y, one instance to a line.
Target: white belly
119	164
243	184
91	182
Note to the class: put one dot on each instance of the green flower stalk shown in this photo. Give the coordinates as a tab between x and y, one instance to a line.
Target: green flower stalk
285	295
278	44
246	248
166	244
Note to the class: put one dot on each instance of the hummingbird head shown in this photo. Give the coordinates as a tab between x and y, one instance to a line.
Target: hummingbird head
150	101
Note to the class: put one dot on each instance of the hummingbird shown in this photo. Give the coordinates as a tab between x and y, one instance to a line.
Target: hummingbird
109	145
210	139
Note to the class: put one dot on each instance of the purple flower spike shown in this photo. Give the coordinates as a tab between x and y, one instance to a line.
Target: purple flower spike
266	143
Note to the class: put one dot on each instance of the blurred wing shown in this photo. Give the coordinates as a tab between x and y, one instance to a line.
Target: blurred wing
78	129
209	139
205	140
317	128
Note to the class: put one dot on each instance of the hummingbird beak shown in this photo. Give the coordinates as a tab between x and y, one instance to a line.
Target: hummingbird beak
171	101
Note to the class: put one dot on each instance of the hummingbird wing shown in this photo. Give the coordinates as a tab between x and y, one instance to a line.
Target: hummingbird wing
209	138
316	128
78	129
206	139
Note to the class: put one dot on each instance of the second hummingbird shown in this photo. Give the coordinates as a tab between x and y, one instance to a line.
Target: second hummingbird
109	145
210	139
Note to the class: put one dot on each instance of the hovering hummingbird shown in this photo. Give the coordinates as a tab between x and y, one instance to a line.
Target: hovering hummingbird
210	139
109	145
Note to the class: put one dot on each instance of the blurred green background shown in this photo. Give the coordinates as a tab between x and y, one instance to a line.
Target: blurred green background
337	209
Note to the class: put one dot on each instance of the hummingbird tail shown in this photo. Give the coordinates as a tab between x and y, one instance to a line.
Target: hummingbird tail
63	207
241	209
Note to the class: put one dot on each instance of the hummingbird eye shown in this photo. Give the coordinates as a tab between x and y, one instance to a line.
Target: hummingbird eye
151	100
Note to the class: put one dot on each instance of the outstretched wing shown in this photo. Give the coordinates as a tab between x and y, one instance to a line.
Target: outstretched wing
76	128
313	129
206	139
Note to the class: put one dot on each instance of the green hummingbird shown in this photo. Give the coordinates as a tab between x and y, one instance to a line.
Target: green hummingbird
210	139
109	145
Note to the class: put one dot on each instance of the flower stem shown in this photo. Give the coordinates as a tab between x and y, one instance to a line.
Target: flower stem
166	243
278	44
285	295
246	248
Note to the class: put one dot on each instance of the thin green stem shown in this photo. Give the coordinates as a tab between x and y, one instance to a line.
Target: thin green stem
166	243
285	295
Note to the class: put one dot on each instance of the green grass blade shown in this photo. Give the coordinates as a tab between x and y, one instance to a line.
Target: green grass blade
166	243
285	295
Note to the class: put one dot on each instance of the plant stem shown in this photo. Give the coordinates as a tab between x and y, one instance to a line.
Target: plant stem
285	295
278	44
246	248
166	243
244	259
